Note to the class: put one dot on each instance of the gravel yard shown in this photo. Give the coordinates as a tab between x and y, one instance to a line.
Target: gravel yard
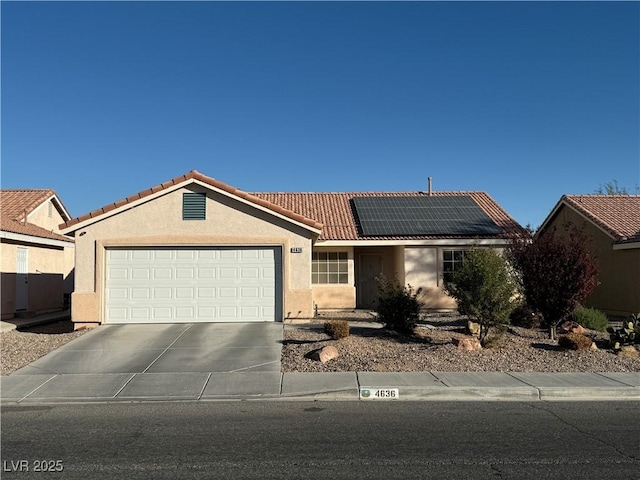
370	348
20	348
431	349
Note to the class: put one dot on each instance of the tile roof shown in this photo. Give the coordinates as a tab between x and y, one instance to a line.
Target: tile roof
16	204
195	175
334	211
329	212
617	214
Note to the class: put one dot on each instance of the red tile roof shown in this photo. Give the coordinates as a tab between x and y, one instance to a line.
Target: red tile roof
617	214
15	205
334	211
195	175
329	212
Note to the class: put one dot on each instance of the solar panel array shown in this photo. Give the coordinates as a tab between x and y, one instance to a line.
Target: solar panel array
412	216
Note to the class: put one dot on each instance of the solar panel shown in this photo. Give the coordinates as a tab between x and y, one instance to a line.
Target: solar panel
412	216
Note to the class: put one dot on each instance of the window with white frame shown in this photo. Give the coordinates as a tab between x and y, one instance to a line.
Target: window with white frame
329	268
451	260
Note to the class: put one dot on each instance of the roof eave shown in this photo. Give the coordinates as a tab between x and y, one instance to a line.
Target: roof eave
193	177
564	201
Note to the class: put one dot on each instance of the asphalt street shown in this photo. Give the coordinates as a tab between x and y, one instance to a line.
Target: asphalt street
315	440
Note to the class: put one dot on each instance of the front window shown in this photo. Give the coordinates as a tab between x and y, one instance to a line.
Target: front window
451	260
329	267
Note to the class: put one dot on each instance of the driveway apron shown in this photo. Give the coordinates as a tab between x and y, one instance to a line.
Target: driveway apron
173	348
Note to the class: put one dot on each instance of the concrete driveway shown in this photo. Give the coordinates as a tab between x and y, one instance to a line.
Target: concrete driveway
167	348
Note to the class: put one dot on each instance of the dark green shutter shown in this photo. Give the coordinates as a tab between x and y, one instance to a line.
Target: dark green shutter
194	206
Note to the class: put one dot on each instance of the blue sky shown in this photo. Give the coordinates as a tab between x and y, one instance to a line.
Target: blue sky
526	101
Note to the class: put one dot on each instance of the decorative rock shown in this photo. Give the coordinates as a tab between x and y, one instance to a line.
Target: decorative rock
324	354
473	328
571	327
468	343
594	346
628	351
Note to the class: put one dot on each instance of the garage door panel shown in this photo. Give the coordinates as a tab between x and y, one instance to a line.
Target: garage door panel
162	273
162	254
206	273
163	293
162	313
192	285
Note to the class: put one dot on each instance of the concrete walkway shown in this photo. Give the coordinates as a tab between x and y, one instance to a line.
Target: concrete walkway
208	386
181	363
14	323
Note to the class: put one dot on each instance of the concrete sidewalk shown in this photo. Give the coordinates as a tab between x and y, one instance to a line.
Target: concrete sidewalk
203	386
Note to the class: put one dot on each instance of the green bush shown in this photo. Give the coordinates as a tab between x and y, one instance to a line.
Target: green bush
398	307
337	329
575	341
590	318
483	288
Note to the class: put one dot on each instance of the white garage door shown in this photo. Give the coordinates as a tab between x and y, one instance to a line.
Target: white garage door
173	285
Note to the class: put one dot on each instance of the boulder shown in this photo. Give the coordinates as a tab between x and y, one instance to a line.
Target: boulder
324	354
467	343
473	328
570	327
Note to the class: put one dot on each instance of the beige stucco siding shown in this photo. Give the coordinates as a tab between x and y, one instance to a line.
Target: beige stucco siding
158	222
50	276
46	216
336	296
618	291
423	269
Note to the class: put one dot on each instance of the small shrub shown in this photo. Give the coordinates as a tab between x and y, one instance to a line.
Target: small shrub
337	329
496	340
483	289
398	307
627	335
575	341
524	316
591	318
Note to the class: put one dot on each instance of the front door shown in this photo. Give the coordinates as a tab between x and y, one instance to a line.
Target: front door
370	269
22	279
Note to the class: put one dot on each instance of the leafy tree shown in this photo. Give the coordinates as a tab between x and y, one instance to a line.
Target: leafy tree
483	288
612	188
398	307
556	271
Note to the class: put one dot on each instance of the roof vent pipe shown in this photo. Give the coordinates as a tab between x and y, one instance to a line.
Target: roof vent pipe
430	183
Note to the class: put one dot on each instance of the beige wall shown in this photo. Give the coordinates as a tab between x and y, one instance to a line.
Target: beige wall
159	222
46	216
341	296
619	270
50	276
423	269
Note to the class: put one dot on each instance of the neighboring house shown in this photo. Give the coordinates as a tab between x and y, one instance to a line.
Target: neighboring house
37	261
195	249
613	221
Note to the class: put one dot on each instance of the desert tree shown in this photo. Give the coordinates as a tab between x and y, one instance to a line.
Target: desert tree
556	271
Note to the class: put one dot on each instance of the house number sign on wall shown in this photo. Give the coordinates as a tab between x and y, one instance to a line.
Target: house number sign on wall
296	249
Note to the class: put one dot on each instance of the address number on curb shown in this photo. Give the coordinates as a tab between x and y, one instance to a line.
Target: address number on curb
379	394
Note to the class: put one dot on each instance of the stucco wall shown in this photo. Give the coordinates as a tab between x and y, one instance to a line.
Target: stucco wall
159	222
619	270
40	216
50	275
336	296
423	269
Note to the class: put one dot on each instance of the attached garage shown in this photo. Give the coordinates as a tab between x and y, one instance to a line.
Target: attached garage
193	284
